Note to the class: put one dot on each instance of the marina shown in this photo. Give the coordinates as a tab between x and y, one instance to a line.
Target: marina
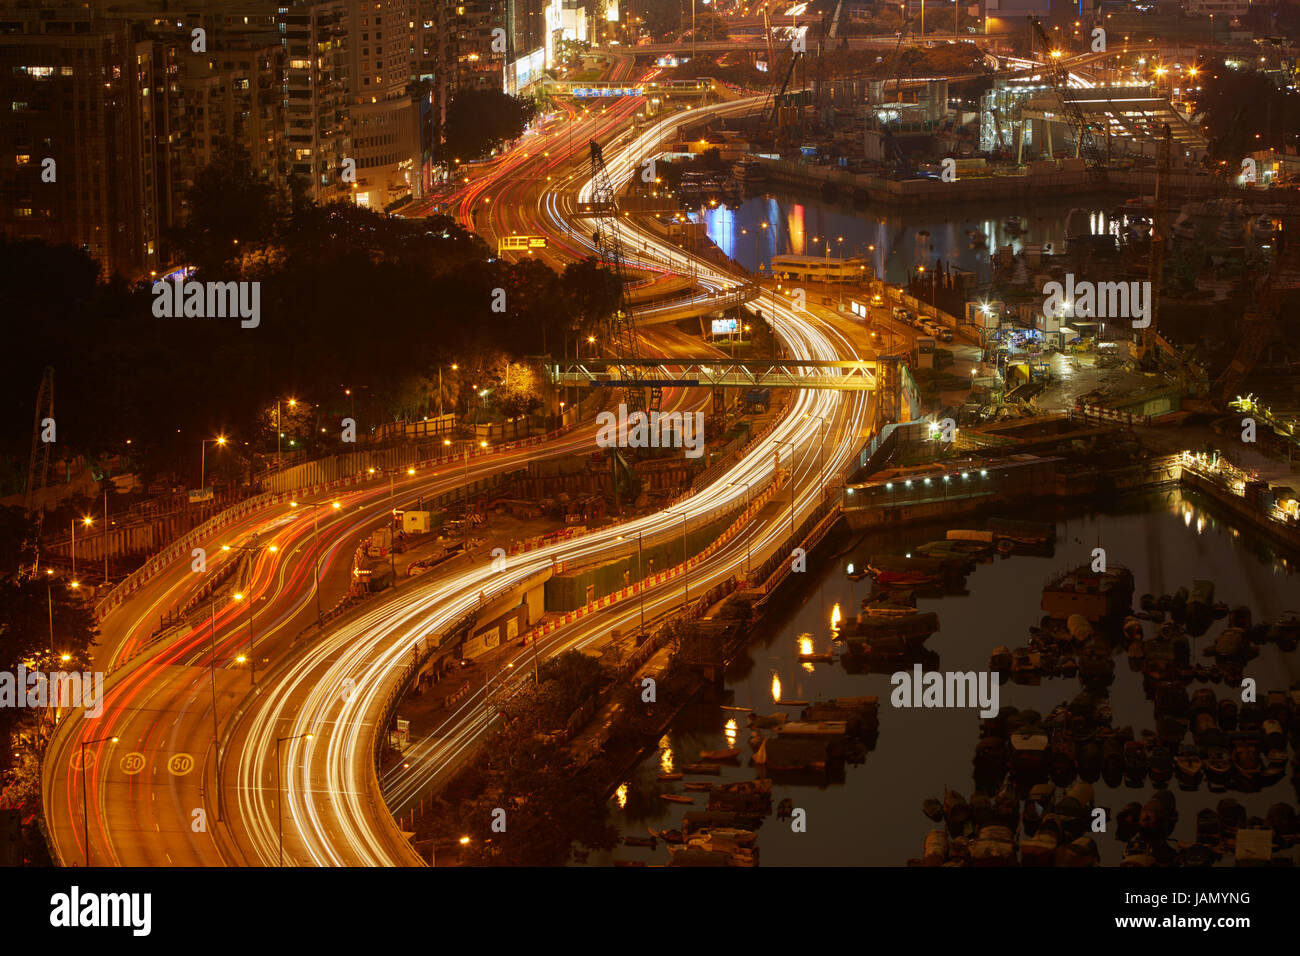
1161	743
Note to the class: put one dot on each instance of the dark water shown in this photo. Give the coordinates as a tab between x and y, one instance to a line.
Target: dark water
795	221
874	815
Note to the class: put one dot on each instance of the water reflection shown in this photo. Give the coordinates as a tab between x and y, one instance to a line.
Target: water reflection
872	814
897	241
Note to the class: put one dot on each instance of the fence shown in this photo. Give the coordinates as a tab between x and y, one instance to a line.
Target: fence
181	548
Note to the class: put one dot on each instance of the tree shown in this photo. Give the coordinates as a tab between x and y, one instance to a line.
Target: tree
591	294
519	394
479	120
710	26
228	206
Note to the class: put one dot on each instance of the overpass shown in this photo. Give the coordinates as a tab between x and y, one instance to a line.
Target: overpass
696	305
759	43
844	376
596	89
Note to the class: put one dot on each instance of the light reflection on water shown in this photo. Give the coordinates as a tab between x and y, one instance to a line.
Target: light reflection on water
896	240
874	816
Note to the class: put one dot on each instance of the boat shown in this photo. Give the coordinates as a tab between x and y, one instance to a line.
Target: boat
1218	765
1160	764
703	768
669	776
1127	820
1208	830
1080	852
1135	762
1112	761
1022	532
1088	759
1228	714
743	710
675	798
1245	764
1096	595
1063	768
1029	755
936	847
956	812
696	786
748	171
994	845
1188	767
731	753
1040	849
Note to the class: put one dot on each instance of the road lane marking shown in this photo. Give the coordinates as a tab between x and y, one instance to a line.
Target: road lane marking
180	764
132	763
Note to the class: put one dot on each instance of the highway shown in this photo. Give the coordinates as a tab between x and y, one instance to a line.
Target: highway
148	789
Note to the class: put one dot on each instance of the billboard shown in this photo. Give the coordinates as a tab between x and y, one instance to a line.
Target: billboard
725	327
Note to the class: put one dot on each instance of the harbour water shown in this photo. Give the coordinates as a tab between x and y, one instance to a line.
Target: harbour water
873	815
895	240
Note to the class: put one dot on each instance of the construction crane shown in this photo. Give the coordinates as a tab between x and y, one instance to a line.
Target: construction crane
38	466
1259	323
1084	145
1146	339
609	247
768	114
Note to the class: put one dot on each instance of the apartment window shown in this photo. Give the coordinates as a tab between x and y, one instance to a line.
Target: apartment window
23	212
22	159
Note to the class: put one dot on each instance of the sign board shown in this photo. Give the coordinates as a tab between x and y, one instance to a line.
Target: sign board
725	327
520	243
200	494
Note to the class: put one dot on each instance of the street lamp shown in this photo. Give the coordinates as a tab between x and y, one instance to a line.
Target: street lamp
85	812
821	442
792	447
279	813
640	575
454	368
252	658
87	520
747	536
203	459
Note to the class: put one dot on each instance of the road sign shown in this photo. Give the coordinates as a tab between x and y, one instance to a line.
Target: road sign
180	764
520	243
132	763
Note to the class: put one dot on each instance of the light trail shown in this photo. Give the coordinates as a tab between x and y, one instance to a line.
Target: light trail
333	811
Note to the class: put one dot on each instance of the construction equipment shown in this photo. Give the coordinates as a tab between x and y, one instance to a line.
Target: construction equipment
1084	144
1259	323
1145	340
609	246
38	466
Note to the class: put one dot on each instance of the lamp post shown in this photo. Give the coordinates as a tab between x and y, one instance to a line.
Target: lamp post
792	447
279	812
686	566
203	457
640	575
821	443
85	811
747	537
252	657
49	600
454	368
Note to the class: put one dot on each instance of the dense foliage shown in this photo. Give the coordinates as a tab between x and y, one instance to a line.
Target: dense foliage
351	300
